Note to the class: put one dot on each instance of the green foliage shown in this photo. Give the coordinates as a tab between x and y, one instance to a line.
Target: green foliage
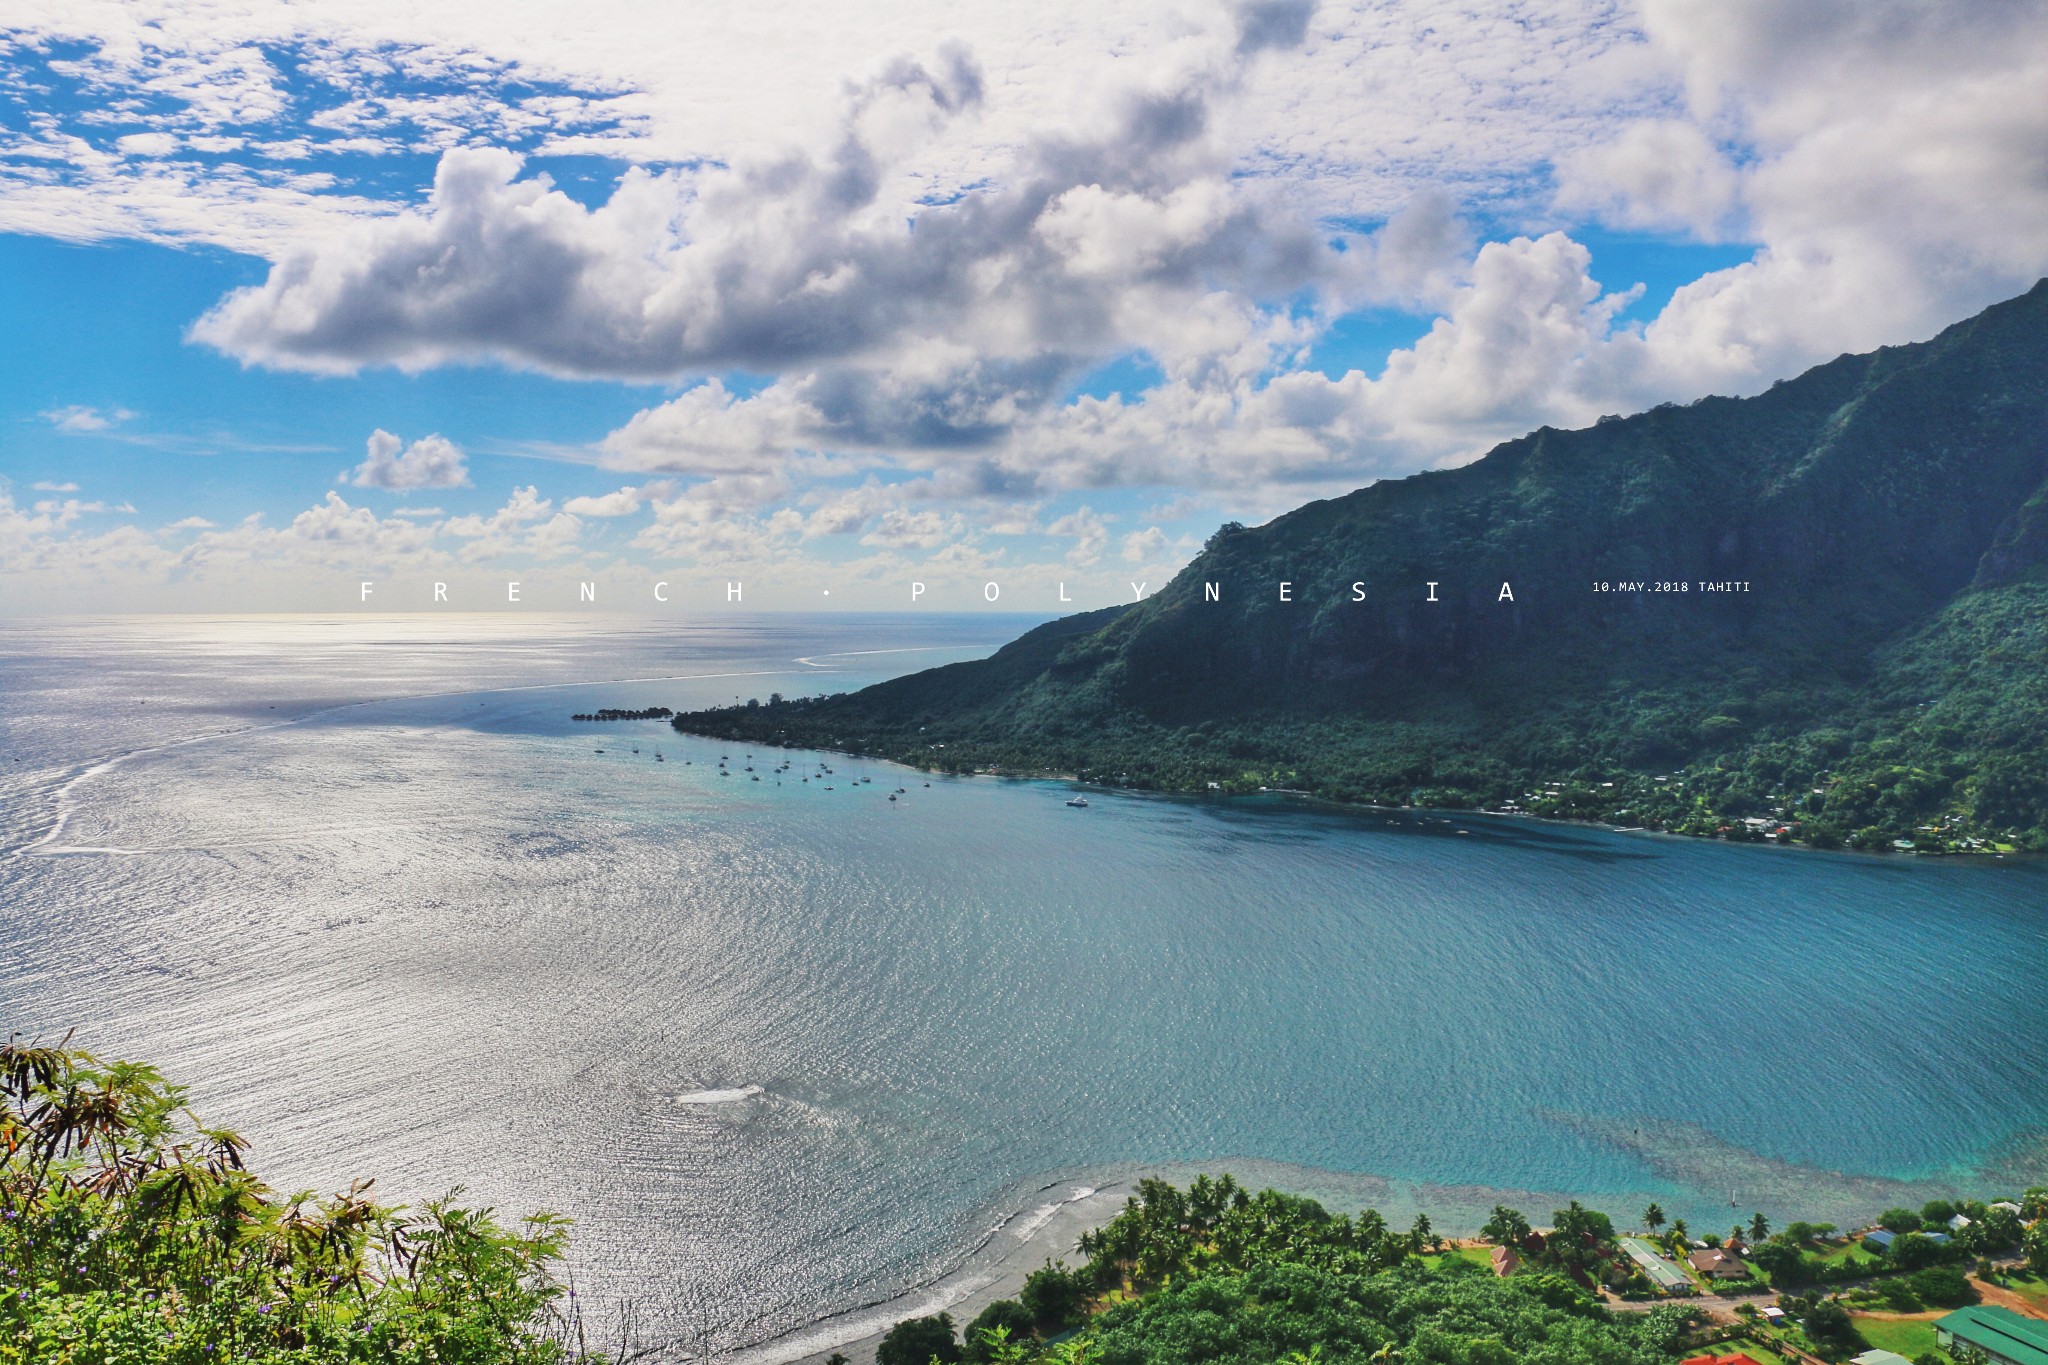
1276	1310
1002	1323
1915	1250
1899	1220
1054	1296
131	1232
1943	1285
1856	696
1830	1325
1507	1227
919	1341
2037	1248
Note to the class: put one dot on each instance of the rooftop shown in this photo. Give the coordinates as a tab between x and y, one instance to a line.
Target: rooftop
1999	1331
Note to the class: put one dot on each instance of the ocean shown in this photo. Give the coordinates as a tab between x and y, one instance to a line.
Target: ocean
786	1047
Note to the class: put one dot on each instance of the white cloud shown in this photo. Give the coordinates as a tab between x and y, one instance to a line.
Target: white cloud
1883	153
914	269
1658	173
78	418
45	486
623	502
1089	532
430	462
1146	546
190	524
526	526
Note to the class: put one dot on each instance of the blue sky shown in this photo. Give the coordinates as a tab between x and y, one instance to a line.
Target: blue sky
354	296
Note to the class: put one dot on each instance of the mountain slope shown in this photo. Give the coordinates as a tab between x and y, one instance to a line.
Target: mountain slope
1873	664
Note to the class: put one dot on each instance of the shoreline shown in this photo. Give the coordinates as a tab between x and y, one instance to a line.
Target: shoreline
1042	1218
1302	797
1045	1228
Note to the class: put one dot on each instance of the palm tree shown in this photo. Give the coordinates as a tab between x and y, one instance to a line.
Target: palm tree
1653	1218
1759	1227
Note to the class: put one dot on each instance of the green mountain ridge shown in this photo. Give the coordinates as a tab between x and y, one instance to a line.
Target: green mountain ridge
1859	653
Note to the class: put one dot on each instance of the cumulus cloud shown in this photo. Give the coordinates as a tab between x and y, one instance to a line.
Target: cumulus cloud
1658	173
526	526
430	462
1090	534
1884	154
620	503
1132	232
45	486
876	324
80	419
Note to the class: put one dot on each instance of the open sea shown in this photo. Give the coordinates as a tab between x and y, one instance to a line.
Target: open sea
782	1050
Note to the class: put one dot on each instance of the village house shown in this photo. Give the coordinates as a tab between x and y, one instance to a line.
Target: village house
1719	1263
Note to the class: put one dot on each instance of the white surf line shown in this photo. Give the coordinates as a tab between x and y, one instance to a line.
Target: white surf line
64	802
946	1289
812	659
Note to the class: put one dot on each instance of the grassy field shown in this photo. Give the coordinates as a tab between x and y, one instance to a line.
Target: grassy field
1753	1347
1833	1254
2034	1291
1479	1256
1909	1338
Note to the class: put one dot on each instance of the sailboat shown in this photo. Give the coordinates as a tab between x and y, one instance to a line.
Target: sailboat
1081	801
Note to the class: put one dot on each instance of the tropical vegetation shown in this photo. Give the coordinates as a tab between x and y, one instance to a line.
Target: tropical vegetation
132	1233
1817	615
1215	1273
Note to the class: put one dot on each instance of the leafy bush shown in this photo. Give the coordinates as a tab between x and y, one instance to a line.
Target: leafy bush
137	1234
1943	1285
1054	1295
919	1341
1005	1316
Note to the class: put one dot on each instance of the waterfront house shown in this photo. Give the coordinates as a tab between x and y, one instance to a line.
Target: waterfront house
2003	1336
1505	1262
1668	1278
1880	1238
1959	1222
2008	1206
1718	1263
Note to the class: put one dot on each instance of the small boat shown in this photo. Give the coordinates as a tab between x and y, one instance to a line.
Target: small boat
597	751
1081	801
892	796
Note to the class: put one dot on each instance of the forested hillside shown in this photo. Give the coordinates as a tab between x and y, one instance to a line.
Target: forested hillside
1813	614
